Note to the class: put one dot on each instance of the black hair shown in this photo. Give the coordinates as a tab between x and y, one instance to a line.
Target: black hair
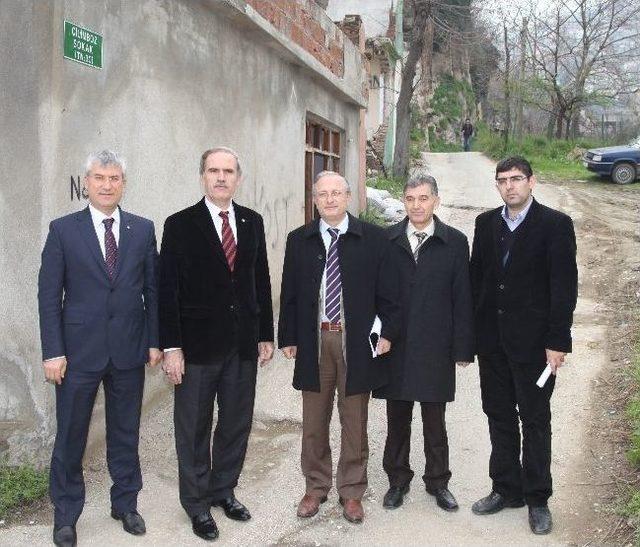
514	162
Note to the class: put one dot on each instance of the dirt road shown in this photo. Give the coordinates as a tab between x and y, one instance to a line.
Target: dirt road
607	226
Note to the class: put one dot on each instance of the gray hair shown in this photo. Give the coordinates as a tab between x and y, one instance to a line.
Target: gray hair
216	149
104	158
419	179
323	174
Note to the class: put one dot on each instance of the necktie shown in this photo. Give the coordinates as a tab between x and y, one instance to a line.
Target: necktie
333	284
228	242
110	247
420	237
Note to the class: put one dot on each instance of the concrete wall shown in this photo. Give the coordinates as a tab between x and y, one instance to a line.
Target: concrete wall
178	77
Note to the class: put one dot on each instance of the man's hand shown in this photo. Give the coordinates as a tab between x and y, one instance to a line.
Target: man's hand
555	359
54	369
290	351
174	366
383	346
155	356
462	363
265	352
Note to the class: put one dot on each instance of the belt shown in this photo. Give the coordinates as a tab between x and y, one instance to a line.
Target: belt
335	327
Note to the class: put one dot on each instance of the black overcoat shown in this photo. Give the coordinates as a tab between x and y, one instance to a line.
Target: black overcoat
367	289
437	320
527	305
206	309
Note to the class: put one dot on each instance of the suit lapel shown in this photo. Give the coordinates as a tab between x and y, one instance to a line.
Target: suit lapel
398	234
244	229
124	240
91	239
202	218
496	232
522	232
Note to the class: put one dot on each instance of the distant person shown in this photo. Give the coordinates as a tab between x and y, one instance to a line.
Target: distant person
524	280
98	302
436	333
216	325
333	285
467	134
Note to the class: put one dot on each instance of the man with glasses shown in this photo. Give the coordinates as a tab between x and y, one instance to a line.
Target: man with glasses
98	305
524	283
333	285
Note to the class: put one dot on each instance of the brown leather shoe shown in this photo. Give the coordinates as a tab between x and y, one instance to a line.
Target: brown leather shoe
309	505
353	510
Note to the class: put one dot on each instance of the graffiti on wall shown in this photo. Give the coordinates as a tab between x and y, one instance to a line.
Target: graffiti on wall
77	189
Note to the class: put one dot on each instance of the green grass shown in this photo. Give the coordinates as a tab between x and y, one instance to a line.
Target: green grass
548	157
393	185
632	507
21	485
373	216
446	102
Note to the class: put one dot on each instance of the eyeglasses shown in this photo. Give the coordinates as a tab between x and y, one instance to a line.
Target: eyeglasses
113	179
335	194
501	181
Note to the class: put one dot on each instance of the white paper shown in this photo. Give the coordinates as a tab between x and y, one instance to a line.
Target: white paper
374	335
544	376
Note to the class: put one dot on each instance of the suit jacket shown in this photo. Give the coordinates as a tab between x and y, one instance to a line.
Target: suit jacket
86	316
527	305
367	289
204	308
437	318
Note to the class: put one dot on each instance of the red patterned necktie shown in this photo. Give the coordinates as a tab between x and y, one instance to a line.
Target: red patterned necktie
110	247
228	242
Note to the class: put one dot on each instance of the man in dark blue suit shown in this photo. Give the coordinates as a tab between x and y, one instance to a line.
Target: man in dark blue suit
97	296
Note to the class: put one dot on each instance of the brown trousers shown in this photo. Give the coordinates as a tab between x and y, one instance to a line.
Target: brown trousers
317	408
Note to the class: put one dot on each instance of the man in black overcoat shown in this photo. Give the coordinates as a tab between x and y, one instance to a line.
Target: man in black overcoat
216	323
333	284
432	260
524	280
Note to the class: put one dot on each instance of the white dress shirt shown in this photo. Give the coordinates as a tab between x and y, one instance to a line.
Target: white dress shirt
413	240
214	210
513	223
97	217
326	239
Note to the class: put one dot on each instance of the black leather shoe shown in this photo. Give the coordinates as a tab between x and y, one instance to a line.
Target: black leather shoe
204	526
65	536
444	499
494	503
132	522
233	508
540	520
395	496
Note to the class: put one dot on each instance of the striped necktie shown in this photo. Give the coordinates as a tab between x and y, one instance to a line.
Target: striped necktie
333	284
228	242
110	247
420	236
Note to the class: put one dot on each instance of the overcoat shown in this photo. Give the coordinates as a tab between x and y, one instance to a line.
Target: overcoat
368	288
437	319
205	308
527	305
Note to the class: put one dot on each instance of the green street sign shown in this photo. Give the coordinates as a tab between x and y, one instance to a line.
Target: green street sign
82	45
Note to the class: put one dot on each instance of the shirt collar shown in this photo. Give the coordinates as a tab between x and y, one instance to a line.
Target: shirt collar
342	227
429	230
215	210
520	215
98	216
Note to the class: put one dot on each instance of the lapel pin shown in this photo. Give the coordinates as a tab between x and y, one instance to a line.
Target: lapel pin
242	220
128	227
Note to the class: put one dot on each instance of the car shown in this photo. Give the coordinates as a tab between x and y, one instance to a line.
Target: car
621	163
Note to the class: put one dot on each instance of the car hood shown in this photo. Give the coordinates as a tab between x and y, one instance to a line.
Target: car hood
613	149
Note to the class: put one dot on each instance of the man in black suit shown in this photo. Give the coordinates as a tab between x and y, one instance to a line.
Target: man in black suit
524	281
333	284
98	303
216	321
432	260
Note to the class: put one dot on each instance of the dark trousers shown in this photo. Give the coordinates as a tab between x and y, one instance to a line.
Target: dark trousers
509	396
209	472
317	407
75	398
436	444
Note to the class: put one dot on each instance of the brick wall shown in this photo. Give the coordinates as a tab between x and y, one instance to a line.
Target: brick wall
305	23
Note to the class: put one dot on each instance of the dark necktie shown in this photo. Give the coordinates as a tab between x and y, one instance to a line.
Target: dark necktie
333	284
110	247
420	237
228	242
